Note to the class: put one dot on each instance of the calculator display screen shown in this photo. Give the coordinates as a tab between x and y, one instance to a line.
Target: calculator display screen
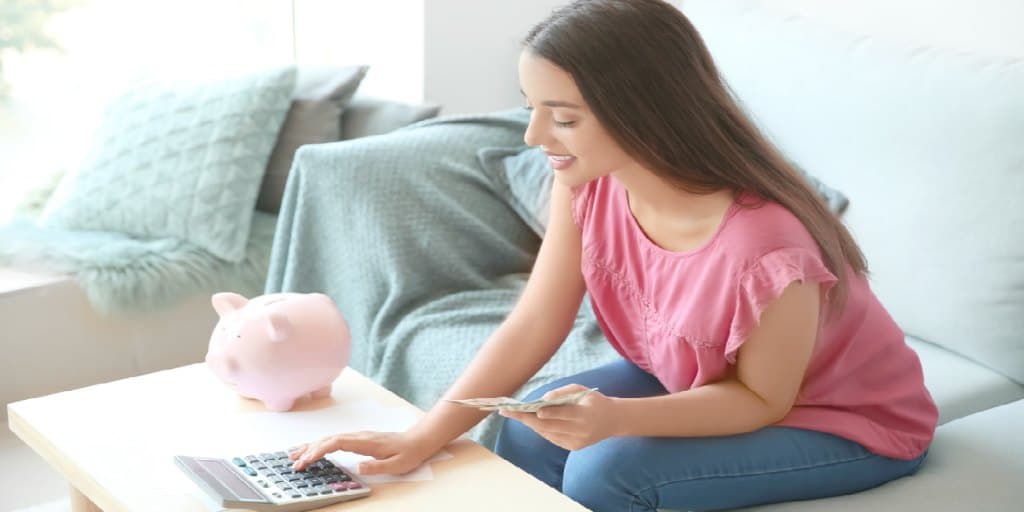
229	479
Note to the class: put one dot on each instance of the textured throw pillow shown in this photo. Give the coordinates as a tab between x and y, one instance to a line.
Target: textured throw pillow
321	95
367	116
179	160
525	176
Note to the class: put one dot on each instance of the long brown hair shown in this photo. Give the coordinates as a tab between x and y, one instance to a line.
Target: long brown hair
647	75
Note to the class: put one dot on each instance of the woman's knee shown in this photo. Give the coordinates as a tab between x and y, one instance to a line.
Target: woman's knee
600	476
530	452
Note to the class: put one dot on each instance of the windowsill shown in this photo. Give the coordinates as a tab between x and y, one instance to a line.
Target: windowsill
14	280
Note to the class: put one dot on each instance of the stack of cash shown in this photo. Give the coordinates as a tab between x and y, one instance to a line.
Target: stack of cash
504	403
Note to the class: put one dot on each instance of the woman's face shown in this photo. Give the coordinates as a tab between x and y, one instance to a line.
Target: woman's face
578	147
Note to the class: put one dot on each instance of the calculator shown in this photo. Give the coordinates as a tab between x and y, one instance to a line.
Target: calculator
266	482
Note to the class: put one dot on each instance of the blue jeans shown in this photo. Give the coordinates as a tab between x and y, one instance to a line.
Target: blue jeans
773	464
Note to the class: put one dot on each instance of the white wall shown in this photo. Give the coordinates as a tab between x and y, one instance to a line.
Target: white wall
991	27
387	34
471	46
471	49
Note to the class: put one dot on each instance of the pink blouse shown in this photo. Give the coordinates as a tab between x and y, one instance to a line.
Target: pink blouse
682	316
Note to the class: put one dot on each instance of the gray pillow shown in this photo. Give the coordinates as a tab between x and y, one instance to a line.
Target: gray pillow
368	116
524	177
179	159
320	97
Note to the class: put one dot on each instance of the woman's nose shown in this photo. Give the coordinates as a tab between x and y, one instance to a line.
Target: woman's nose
533	135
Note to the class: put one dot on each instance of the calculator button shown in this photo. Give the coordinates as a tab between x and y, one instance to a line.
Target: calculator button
300	484
345	486
310	492
296	494
238	462
249	471
281	455
251	458
323	489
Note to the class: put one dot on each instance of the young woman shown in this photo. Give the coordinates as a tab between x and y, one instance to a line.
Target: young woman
757	365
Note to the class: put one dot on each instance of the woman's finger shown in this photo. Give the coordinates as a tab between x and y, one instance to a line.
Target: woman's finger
564	390
372	445
314	452
297	452
397	465
539	424
559	412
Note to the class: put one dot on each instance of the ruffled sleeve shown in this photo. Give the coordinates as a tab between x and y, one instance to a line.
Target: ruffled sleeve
581	199
764	281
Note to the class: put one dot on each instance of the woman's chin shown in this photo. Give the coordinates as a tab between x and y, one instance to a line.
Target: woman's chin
570	178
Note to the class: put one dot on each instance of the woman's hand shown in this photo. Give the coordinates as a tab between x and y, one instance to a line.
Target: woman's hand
573	426
396	453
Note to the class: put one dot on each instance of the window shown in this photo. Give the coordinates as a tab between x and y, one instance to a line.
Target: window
54	96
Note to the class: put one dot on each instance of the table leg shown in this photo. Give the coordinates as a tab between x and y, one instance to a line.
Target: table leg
80	503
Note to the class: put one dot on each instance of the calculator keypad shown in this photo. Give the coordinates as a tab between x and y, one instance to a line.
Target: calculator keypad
273	472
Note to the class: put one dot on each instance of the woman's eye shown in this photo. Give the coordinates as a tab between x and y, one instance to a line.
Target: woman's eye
564	124
527	107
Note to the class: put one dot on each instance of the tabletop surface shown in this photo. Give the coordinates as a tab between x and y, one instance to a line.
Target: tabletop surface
115	442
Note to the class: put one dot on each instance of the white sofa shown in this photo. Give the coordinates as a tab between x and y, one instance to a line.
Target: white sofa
914	110
54	340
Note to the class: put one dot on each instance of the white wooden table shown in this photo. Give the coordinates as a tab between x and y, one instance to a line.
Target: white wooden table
113	443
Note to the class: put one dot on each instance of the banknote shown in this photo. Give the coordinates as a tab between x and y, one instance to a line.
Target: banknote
504	403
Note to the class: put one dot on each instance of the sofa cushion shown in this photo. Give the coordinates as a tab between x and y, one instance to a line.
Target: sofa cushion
961	387
925	142
975	463
314	117
179	158
371	116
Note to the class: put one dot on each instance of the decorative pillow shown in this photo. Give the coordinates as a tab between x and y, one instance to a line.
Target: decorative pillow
367	116
321	95
179	160
524	174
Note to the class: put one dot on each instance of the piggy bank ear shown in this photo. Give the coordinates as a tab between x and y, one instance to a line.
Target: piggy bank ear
278	327
226	302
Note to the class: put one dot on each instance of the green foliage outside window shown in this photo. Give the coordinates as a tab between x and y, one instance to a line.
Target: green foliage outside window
23	27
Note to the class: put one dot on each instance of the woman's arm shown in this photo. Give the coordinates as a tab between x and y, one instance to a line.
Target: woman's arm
769	370
759	392
529	336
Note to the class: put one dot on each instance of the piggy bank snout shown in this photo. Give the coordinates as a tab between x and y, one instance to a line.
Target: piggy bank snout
225	366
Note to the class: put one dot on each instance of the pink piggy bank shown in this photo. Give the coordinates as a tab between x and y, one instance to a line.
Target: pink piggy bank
280	347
